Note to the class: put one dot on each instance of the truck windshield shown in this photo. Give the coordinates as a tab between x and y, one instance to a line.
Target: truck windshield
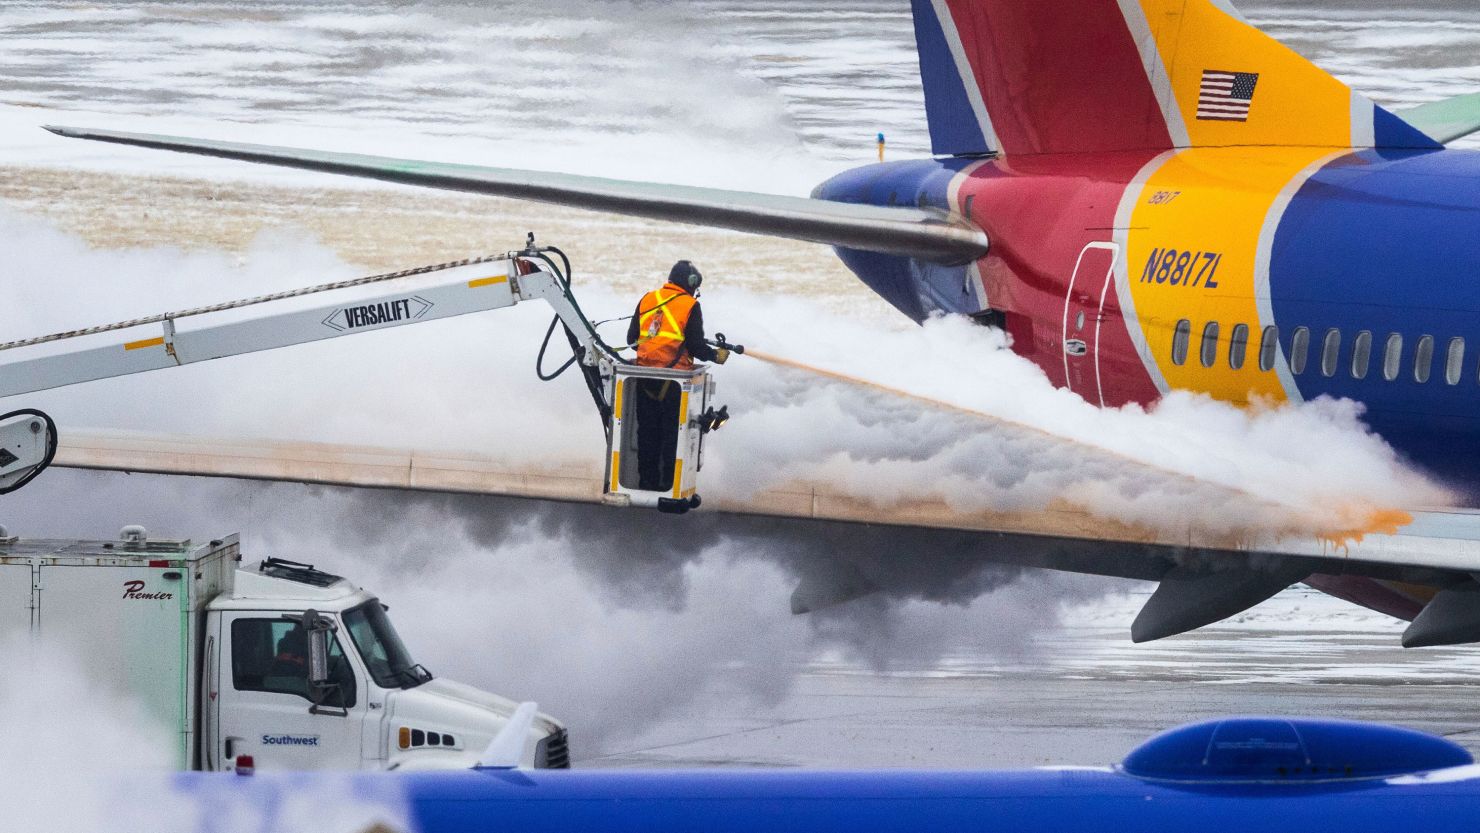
389	663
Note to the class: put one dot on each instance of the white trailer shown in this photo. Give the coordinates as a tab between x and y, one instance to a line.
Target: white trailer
271	665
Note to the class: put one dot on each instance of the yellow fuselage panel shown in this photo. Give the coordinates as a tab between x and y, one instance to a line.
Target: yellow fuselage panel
1193	255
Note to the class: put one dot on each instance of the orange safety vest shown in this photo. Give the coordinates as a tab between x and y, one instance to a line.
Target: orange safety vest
662	317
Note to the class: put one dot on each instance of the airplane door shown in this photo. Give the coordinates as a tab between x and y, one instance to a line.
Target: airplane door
1084	308
263	706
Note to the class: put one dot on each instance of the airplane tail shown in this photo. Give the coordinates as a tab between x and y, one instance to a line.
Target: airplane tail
1087	76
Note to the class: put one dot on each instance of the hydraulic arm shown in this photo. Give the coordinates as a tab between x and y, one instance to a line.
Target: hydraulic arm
465	287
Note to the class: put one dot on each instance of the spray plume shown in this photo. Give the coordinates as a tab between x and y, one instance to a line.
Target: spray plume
1009	442
1348	523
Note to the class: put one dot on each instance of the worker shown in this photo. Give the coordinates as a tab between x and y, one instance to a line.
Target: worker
668	331
290	664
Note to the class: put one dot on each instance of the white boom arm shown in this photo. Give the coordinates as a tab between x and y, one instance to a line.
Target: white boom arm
477	288
635	474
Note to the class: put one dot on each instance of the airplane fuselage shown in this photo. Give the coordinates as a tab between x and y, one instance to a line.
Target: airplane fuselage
1277	273
1249	773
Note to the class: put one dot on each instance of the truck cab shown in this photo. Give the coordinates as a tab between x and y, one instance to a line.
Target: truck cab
375	708
272	665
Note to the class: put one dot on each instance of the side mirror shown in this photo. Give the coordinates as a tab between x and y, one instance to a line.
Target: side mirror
318	657
320	685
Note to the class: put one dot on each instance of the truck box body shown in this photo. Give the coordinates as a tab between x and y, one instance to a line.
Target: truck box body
132	612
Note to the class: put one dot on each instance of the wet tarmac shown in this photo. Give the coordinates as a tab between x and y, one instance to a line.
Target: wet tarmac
1085	695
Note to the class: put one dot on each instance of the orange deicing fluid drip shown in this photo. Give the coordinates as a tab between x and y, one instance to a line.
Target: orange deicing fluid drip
1378	521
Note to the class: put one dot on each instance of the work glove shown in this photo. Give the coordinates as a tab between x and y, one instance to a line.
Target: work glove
721	355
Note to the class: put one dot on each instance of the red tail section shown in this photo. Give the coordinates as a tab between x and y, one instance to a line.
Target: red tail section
1062	76
1086	76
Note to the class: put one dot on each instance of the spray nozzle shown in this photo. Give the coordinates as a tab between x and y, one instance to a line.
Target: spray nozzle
720	343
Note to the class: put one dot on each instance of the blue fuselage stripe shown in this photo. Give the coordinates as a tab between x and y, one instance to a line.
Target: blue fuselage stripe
1390	243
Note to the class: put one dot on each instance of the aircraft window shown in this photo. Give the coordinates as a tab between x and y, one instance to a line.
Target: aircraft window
1238	345
1456	362
1330	352
1209	352
1179	342
1361	354
1392	357
1267	347
1423	359
1299	347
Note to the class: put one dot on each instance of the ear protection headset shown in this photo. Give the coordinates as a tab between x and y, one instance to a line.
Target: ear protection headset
686	275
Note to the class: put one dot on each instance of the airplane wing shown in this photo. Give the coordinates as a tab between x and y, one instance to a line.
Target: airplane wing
1447	120
925	233
1201	580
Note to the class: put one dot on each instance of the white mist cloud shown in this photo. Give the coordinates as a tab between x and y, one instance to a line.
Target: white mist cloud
624	625
68	744
80	756
1006	439
467	385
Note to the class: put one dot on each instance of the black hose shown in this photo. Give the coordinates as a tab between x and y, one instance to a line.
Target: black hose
539	362
590	374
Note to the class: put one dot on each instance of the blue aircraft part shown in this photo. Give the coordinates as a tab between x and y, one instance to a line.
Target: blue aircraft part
1400	234
1276	750
954	127
916	288
1229	775
890	277
1063	801
1390	131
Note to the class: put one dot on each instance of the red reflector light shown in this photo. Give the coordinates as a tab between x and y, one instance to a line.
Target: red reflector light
244	765
158	563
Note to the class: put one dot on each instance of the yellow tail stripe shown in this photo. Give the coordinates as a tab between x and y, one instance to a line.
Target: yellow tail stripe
1295	102
616	467
677	479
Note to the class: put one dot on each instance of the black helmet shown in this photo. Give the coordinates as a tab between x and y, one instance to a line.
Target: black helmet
686	275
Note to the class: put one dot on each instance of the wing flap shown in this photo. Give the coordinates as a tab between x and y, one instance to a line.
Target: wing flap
923	233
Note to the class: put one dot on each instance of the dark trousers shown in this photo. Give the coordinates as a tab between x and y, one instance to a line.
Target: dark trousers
657	434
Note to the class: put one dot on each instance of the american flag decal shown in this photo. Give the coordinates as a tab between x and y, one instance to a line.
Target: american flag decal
1226	96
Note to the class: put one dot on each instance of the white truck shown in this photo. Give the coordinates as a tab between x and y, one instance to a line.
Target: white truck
271	665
